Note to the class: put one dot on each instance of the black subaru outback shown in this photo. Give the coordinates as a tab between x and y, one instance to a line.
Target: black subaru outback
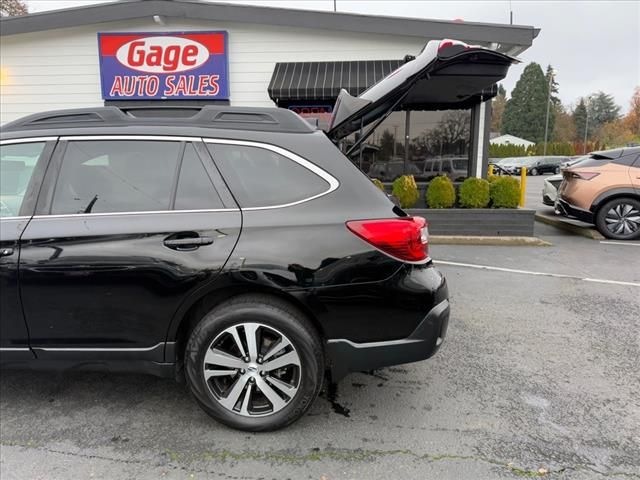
237	248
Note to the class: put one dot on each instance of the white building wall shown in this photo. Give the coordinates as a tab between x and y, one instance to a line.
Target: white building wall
59	69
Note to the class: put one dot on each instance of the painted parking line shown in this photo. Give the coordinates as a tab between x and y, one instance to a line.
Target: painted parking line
620	243
542	274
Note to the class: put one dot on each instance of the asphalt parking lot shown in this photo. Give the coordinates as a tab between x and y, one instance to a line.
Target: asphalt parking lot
538	377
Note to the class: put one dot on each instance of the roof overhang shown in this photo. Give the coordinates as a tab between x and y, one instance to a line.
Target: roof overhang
510	39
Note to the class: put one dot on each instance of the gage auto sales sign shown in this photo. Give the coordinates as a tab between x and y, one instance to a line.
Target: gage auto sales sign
167	65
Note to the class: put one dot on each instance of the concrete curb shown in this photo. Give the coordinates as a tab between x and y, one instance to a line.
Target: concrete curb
487	240
563	224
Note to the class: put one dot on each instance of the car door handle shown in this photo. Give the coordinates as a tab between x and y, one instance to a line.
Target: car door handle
189	243
5	252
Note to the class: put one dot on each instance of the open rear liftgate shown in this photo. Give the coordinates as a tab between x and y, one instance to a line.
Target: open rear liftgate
446	75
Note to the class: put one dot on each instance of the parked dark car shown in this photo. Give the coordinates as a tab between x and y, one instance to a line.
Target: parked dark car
541	165
220	253
236	248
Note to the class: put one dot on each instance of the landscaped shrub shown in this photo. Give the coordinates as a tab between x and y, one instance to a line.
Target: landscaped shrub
474	193
505	192
441	193
378	184
405	190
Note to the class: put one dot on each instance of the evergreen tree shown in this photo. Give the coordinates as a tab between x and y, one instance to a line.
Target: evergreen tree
525	112
555	88
602	109
386	144
497	109
580	120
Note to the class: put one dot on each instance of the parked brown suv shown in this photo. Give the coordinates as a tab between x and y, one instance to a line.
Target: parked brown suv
604	189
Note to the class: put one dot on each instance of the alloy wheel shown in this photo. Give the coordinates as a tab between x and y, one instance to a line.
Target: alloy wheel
623	219
252	369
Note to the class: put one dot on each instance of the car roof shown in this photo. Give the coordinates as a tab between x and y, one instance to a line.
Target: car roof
615	153
113	119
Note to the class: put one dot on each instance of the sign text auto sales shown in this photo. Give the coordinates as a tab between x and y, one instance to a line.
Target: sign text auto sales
164	65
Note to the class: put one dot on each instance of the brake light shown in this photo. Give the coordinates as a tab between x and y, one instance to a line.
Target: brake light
583	175
405	239
446	43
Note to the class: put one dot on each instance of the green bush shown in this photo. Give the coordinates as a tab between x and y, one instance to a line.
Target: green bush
505	192
378	184
441	193
474	193
405	190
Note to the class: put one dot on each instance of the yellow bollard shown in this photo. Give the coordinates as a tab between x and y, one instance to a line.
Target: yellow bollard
523	185
490	171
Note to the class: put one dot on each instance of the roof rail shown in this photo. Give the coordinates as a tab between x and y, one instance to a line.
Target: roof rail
209	116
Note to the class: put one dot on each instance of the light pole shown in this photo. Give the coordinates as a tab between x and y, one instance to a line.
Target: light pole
546	124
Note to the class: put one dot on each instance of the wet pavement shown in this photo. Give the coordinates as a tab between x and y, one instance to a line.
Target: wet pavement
538	377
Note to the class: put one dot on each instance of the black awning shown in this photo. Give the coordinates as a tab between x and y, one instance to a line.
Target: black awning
322	81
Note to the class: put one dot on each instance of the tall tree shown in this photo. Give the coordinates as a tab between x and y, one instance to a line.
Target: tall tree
386	144
580	120
12	8
602	109
550	76
497	109
525	112
632	120
565	128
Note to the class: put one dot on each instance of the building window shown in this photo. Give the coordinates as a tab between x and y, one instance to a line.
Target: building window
438	144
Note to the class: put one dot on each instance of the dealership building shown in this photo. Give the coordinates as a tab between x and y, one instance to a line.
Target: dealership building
188	52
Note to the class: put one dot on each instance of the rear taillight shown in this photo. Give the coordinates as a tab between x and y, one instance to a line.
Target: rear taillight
582	175
405	239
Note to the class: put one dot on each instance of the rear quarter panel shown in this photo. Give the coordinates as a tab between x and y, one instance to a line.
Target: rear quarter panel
583	193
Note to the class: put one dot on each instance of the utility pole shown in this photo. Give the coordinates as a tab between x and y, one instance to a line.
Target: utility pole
335	7
546	125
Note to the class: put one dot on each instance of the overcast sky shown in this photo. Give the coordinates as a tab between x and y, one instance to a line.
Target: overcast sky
593	45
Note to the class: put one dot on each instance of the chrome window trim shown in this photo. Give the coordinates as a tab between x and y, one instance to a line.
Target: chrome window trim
18	218
149	212
13	141
14	349
163	138
332	181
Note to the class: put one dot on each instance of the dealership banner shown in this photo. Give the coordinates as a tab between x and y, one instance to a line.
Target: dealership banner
164	65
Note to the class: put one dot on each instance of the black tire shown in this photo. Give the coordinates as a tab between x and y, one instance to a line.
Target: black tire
273	313
533	172
604	211
557	170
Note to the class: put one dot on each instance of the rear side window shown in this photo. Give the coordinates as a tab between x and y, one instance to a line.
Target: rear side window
259	177
598	160
17	162
195	189
101	176
627	160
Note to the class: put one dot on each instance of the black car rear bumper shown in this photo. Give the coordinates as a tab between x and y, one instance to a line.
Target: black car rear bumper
565	208
347	356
